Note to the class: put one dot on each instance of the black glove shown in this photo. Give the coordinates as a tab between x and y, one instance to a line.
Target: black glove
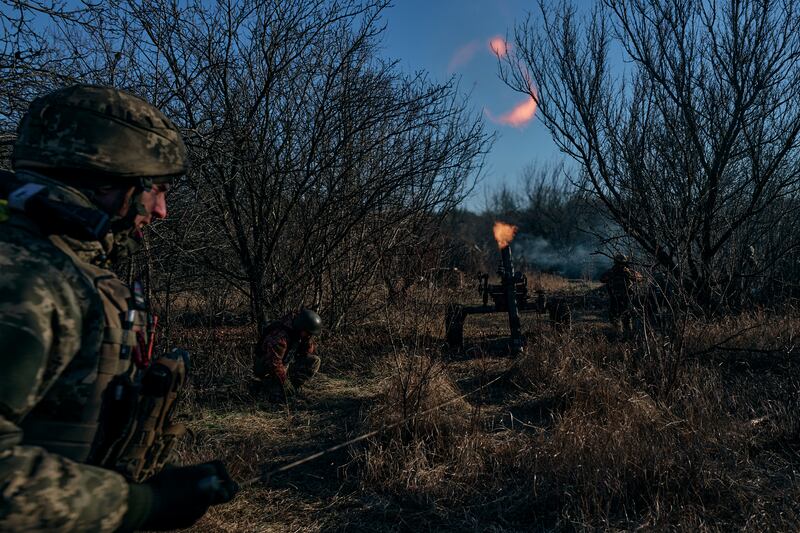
176	498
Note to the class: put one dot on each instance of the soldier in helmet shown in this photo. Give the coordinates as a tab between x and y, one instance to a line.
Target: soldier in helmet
91	165
284	356
620	280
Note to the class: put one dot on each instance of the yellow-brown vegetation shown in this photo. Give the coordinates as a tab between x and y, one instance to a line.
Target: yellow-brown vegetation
584	431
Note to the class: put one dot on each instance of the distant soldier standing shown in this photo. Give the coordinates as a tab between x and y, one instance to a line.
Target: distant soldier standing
284	357
620	280
84	414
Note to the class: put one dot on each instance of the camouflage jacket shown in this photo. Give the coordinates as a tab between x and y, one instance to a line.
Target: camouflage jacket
620	280
51	323
277	346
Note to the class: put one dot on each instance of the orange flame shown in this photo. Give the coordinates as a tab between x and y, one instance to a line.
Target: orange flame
498	46
504	233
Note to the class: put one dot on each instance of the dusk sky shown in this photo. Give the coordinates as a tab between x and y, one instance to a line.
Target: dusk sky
453	37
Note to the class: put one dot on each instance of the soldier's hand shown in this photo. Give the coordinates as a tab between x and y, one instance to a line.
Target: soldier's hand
178	497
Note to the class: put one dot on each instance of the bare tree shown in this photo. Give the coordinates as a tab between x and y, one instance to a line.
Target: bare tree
313	159
32	57
682	116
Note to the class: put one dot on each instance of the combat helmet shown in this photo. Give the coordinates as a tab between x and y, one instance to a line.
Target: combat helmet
307	320
98	133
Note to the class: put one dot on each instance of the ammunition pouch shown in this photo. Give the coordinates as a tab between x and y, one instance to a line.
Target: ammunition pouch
138	434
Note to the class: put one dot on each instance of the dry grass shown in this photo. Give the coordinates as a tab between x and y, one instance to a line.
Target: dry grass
589	433
582	432
757	332
412	459
552	283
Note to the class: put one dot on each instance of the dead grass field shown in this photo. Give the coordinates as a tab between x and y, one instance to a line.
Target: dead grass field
583	432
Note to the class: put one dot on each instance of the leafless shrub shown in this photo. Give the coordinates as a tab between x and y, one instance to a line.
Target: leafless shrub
691	147
32	58
315	162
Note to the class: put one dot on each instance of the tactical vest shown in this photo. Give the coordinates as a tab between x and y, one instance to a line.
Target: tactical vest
124	423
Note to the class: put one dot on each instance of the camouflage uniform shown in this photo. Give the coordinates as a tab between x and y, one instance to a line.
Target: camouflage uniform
620	280
51	321
61	340
283	360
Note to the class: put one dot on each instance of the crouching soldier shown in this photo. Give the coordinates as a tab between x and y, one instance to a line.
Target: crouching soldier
284	357
620	280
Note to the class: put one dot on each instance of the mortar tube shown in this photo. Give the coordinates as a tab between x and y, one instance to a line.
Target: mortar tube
517	341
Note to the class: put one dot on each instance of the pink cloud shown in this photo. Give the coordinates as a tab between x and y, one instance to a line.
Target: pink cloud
519	115
463	55
499	46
